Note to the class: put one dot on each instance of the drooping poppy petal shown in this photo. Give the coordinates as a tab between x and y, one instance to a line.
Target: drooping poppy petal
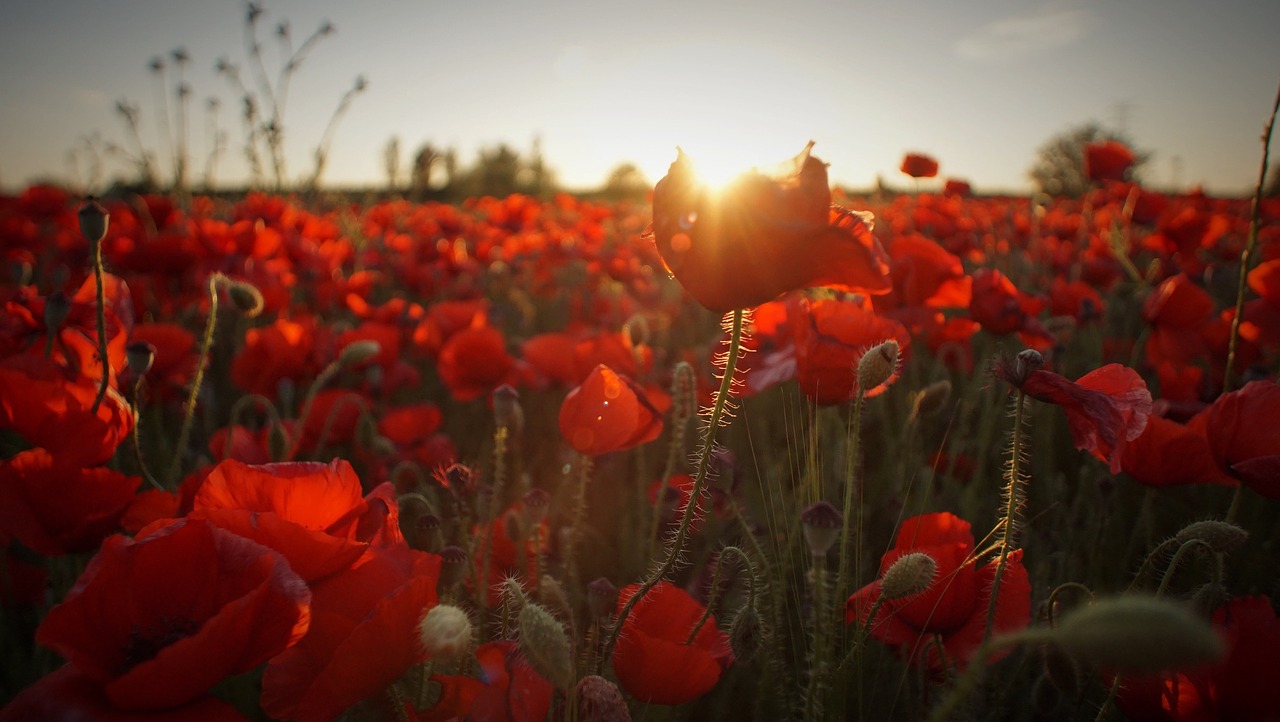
1106	408
830	338
1243	436
762	235
159	620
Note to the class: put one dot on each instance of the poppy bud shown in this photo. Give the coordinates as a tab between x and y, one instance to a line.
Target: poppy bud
453	565
56	309
246	297
545	645
553	595
1223	536
909	575
1060	669
93	221
746	634
1207	598
357	352
600	700
1137	635
821	525
1027	361
366	432
602	598
877	366
931	399
507	412
140	355
446	632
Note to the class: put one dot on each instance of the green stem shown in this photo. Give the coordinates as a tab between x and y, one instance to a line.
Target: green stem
137	436
713	596
1011	508
202	363
102	327
1249	247
579	517
850	490
704	464
813	707
321	381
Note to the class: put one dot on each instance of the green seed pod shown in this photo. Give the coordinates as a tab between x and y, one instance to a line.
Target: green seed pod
545	645
746	634
358	352
1223	536
908	576
877	365
1137	635
94	220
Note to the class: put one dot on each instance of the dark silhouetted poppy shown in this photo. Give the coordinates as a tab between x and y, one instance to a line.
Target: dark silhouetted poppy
474	361
56	508
175	356
762	235
919	165
312	513
954	607
1243	435
958	188
607	413
273	353
363	636
69	694
513	544
1241	687
159	620
1001	308
654	659
1107	160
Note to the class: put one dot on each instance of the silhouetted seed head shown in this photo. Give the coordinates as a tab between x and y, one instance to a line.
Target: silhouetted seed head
931	399
427	523
602	598
56	309
453	565
93	221
599	700
1026	362
507	412
1223	536
139	355
246	297
536	504
821	523
746	634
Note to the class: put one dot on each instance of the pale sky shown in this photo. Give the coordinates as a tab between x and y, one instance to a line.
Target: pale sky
978	84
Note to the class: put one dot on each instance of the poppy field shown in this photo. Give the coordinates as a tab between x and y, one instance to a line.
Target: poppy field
763	452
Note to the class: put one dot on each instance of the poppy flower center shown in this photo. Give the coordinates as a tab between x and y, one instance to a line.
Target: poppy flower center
145	642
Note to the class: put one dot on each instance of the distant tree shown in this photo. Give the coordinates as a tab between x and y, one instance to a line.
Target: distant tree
1059	166
391	163
422	175
626	180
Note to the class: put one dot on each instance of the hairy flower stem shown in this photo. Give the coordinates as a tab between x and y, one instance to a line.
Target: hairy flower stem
699	483
102	327
851	478
137	435
683	391
237	411
202	363
1249	247
575	526
819	663
495	501
740	556
1015	494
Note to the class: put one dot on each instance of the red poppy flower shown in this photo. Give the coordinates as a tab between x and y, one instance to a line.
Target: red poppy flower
762	236
608	413
175	355
1106	408
919	165
1241	687
1244	437
149	507
925	274
273	353
56	508
363	636
312	513
68	694
509	690
1167	453
1107	160
513	549
159	620
1178	311
334	416
1001	308
51	408
831	336
958	188
474	361
955	606
653	658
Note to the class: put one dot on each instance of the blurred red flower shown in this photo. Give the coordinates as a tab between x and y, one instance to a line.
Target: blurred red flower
608	413
1243	435
762	235
474	361
273	353
56	508
159	620
654	659
1241	687
954	607
508	690
68	694
1167	453
1107	160
363	636
175	356
513	543
314	514
831	336
1001	308
919	165
50	407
